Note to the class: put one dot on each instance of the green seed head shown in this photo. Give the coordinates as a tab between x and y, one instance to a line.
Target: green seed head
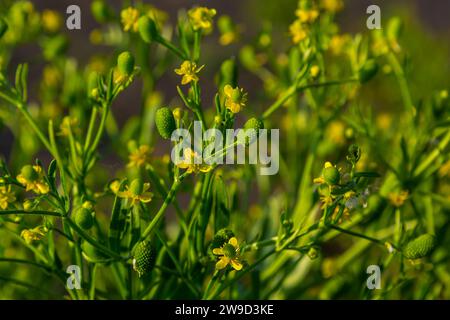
29	173
419	247
125	63
136	187
144	259
83	218
222	236
331	175
3	27
367	71
147	29
165	122
251	131
229	251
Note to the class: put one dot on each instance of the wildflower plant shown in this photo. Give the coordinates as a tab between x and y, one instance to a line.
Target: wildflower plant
357	186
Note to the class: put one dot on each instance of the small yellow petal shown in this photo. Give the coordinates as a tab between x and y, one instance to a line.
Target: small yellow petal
233	241
222	263
236	264
218	251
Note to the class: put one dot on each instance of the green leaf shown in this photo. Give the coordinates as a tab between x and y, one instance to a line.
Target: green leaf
221	204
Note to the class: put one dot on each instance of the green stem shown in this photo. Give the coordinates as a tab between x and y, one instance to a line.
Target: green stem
403	84
163	207
38	212
295	88
169	45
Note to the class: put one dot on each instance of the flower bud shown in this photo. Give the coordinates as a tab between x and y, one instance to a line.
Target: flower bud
228	73
394	28
125	63
29	173
367	71
100	11
313	253
147	29
419	247
136	187
92	82
331	174
144	258
178	114
3	27
83	218
221	237
165	122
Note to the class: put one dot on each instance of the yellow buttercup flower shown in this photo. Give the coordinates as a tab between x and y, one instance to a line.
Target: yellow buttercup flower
136	192
332	5
298	31
236	98
229	255
338	43
129	18
68	125
32	177
6	195
201	18
336	132
397	199
114	186
35	234
139	157
314	71
189	71
51	20
192	162
307	16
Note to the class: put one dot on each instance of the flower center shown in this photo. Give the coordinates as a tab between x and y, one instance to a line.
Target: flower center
229	251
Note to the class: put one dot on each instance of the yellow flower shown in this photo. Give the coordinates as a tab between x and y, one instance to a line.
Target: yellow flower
235	98
297	31
336	132
32	177
51	76
68	125
189	71
326	200
201	18
136	192
6	196
35	234
228	38
139	157
229	255
398	198
332	5
51	20
129	18
314	71
338	43
114	186
193	163
307	16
